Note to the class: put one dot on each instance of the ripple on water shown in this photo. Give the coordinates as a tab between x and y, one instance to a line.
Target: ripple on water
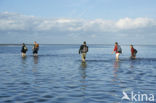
8	101
58	76
48	96
42	100
29	101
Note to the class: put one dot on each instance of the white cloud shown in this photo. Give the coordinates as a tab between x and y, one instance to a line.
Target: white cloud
13	22
129	23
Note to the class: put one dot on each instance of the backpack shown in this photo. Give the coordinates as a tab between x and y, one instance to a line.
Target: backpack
135	51
119	50
36	46
25	48
85	49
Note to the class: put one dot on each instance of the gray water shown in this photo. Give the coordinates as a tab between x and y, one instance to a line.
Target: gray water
58	76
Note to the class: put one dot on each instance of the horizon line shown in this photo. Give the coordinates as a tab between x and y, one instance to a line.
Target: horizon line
75	44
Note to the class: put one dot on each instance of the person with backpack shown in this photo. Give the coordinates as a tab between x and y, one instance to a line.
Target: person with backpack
117	50
35	48
133	52
24	50
83	51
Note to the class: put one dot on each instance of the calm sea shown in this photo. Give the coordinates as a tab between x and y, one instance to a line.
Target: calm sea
58	76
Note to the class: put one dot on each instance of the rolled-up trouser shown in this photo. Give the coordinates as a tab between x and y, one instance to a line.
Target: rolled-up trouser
134	55
23	54
83	56
35	51
117	55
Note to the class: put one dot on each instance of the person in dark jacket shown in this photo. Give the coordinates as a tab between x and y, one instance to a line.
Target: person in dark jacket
133	52
83	51
23	50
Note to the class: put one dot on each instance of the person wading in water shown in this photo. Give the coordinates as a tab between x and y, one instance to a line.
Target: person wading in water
83	51
117	50
133	52
35	49
24	50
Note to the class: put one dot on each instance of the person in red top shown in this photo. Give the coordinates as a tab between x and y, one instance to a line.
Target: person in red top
116	50
133	52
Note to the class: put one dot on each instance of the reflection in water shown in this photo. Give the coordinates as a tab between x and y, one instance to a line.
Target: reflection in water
116	67
23	63
83	65
35	59
115	80
83	77
34	69
23	60
132	63
83	70
116	64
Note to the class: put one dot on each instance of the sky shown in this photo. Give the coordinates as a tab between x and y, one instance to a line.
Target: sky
75	21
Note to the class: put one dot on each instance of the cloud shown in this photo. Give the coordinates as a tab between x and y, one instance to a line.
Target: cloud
30	27
128	23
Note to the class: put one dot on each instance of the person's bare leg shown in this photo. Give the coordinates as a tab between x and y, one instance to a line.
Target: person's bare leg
23	54
83	57
35	54
117	56
133	56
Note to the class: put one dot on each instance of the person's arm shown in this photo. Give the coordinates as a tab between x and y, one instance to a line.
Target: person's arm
33	47
115	49
22	49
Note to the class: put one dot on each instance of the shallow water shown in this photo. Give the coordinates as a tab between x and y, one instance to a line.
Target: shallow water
58	76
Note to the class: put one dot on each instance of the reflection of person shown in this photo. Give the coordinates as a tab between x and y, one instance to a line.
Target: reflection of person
24	50
117	50
35	60
82	72
116	64
24	60
115	71
133	52
83	50
132	64
83	65
35	48
35	65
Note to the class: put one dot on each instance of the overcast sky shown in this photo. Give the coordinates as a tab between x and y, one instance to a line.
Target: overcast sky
73	21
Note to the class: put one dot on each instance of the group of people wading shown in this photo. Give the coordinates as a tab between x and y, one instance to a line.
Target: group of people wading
117	49
34	49
83	50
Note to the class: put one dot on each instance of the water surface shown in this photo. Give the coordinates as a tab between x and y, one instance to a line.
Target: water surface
58	76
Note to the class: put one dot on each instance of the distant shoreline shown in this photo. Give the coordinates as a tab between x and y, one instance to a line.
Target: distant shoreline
80	44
